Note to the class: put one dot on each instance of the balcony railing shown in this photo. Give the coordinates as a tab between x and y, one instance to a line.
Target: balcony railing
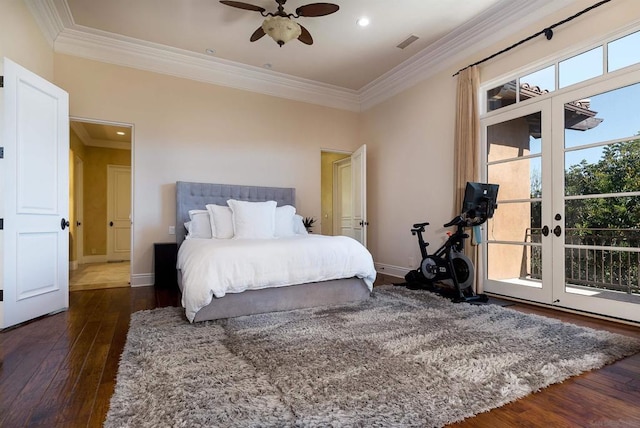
615	267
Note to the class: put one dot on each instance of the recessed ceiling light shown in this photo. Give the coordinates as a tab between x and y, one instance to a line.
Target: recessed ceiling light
210	51
363	21
120	133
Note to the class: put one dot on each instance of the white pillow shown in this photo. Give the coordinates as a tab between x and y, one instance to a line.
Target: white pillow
199	227
284	221
253	220
222	220
298	225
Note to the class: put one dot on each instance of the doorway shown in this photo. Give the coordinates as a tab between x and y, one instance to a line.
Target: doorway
344	194
100	230
566	229
328	159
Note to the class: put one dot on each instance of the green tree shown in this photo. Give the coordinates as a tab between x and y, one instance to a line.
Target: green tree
617	171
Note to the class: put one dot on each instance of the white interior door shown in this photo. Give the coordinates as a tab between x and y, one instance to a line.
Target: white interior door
359	194
350	196
342	204
35	171
118	213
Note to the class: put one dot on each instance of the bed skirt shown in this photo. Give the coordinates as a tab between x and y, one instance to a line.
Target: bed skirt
275	299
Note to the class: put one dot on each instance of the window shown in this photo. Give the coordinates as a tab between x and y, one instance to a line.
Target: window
621	52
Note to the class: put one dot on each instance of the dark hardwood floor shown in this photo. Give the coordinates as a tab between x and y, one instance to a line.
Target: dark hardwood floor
60	370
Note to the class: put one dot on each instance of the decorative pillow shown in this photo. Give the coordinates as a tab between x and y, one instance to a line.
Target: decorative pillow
222	220
199	227
253	220
284	221
298	225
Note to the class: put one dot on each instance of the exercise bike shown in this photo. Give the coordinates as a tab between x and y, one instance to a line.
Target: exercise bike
449	264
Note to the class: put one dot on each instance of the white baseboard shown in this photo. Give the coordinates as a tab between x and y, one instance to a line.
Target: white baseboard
99	258
142	279
397	271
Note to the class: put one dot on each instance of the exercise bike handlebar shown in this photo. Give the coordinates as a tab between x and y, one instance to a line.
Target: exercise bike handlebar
457	221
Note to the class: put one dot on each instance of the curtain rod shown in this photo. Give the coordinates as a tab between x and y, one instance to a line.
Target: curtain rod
548	32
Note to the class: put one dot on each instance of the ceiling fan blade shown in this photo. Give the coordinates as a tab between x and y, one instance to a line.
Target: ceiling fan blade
241	5
317	9
305	36
257	35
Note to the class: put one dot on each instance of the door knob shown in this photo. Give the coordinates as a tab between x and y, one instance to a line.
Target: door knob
557	230
545	231
64	223
110	224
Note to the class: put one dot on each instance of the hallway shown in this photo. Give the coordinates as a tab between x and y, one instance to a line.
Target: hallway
93	276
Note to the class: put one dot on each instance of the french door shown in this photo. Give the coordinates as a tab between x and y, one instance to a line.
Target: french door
517	260
567	228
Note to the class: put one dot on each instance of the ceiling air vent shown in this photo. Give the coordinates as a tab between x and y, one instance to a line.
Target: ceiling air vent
412	38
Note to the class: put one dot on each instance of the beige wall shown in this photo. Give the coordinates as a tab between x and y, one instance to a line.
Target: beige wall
22	41
326	192
410	136
410	168
192	131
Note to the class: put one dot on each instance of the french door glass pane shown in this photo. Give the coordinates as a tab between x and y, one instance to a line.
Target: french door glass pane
580	67
518	179
538	83
615	216
514	155
609	116
604	273
514	138
612	168
602	229
499	228
624	51
501	96
517	264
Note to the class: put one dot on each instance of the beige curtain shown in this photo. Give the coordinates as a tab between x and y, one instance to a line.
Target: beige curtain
467	143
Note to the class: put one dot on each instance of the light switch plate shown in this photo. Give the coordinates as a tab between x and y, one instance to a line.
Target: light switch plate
172	230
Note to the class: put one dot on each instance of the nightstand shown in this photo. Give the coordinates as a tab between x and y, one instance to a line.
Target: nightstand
165	256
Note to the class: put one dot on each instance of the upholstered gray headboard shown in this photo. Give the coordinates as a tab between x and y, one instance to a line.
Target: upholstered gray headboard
195	196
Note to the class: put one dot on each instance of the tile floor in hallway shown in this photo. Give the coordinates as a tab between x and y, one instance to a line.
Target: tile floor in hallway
92	276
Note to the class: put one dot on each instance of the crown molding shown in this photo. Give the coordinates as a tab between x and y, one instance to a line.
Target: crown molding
56	22
49	18
477	34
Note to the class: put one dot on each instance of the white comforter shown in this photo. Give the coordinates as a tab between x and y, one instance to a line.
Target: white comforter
214	267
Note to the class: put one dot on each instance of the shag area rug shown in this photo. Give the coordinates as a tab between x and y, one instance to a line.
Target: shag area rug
401	358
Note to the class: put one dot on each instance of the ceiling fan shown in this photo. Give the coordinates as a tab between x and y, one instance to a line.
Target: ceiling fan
279	25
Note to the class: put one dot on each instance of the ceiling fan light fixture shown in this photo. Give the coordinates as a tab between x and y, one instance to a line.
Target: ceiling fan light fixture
281	29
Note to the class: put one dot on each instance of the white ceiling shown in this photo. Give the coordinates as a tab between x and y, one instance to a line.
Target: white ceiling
345	66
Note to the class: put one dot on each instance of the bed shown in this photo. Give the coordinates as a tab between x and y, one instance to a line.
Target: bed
206	295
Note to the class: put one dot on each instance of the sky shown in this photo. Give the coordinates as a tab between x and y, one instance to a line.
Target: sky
618	108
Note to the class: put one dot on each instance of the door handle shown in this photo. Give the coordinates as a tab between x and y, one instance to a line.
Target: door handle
78	223
364	223
64	223
110	224
545	231
557	230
